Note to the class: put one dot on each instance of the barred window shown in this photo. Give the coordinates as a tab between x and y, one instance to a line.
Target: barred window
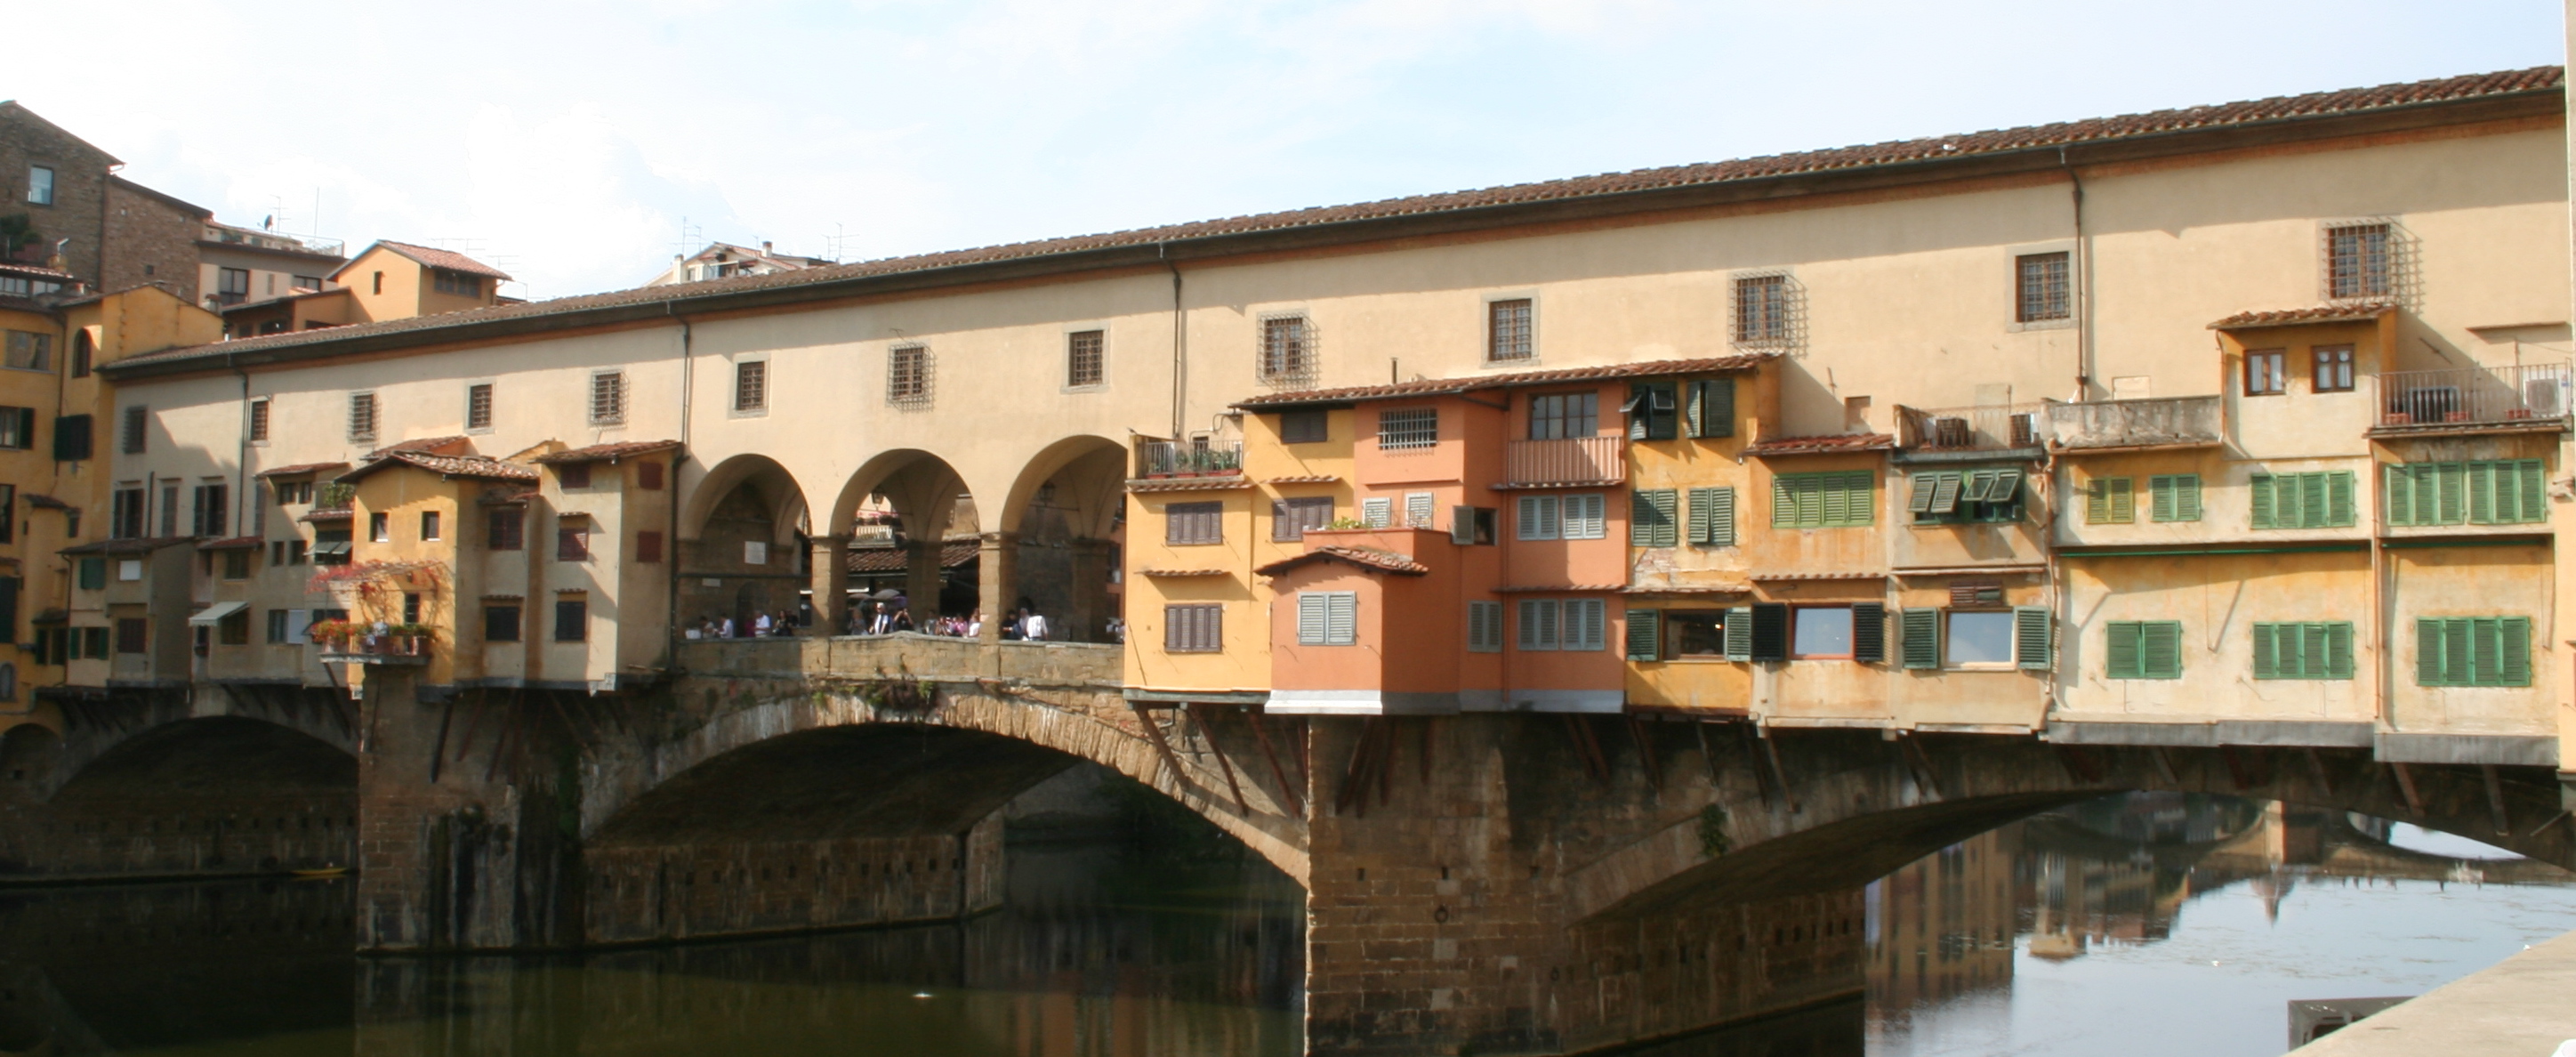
908	376
1082	357
2042	293
1507	335
259	421
362	416
1410	428
751	385
607	398
478	406
1287	349
1193	628
2358	262
1763	308
137	420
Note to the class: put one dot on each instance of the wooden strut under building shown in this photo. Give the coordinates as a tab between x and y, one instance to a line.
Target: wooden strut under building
2406	786
1368	764
1261	733
1207	733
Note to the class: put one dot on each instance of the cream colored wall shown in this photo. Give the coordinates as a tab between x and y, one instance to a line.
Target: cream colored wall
2217	599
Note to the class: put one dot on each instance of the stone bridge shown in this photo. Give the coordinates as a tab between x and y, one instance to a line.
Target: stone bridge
1507	883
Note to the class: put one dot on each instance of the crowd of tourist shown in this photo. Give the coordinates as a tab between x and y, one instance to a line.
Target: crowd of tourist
1024	624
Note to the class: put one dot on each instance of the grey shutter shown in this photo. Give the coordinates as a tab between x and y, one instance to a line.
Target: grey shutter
1770	632
1645	630
1721	516
1920	500
1341	618
1945	492
2034	636
1739	633
1462	525
1921	631
1869	632
1378	512
1312	611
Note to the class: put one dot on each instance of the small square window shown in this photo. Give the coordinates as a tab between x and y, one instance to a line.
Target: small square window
2333	369
573	475
2041	293
1821	632
1508	337
572	619
1304	427
505	529
1082	357
2266	372
500	622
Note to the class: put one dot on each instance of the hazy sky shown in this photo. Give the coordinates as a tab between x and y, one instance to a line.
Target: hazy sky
567	141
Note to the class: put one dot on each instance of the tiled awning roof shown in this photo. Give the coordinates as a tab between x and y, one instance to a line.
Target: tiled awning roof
234	544
609	452
952	554
2292	317
1369	558
468	466
1451	386
302	468
1188	484
1826	445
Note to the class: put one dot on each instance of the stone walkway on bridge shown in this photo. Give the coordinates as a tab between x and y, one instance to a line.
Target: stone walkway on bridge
2525	1006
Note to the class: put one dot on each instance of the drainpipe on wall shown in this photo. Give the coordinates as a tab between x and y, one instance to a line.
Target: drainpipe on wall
2083	291
241	456
671	544
1180	349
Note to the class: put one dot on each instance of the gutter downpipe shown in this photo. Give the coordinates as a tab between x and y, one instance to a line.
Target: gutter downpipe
2083	282
671	594
241	458
1180	347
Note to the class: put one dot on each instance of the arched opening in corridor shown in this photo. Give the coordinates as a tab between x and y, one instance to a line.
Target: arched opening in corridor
743	548
911	537
1065	517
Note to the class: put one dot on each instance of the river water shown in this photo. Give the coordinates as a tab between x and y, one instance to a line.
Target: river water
2140	924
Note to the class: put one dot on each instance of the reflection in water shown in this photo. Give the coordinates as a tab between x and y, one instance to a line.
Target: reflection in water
1106	946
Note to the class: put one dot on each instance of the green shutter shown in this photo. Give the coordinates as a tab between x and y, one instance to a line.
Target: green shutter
2450	481
1921	632
2267	651
1869	632
1739	633
2340	509
1945	492
1645	627
1715	398
1642	514
1919	499
1862	487
2160	502
1823	500
2486	667
2111	500
2401	494
2530	490
2120	650
2175	497
1666	504
2034	636
1712	516
2514	650
2480	482
2262	499
2428	652
2160	649
2339	650
2312	500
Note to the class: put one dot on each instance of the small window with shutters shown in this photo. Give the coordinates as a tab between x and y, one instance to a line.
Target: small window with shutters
2110	501
1292	518
1840	499
1377	512
572	541
648	475
505	528
572	475
1540	624
2307	650
2142	649
1535	517
2302	500
2492	492
1708	407
1645	635
1965	497
1194	628
1654	518
1417	509
1484	627
1187	524
572	618
2473	651
1304	427
2173	497
1327	618
1712	517
501	621
136	430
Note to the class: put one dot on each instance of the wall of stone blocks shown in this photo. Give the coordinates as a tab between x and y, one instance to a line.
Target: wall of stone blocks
150	241
650	893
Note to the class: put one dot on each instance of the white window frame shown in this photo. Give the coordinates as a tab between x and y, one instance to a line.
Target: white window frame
2012	285
590	399
1377	512
1419	509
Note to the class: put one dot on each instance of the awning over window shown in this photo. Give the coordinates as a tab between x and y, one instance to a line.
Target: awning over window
331	546
216	612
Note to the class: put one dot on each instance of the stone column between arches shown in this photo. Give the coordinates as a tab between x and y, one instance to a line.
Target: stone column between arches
831	583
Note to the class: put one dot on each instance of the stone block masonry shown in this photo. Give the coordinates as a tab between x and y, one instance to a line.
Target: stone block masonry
646	894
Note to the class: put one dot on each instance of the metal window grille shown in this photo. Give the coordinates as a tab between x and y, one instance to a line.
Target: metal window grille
1287	350
2043	289
1770	311
1508	331
2360	261
751	385
908	376
1082	357
478	406
258	420
608	397
1409	428
362	416
1196	628
137	419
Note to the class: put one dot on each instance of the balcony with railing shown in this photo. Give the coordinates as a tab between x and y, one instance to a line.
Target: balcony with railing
2133	425
1570	461
1164	458
2533	396
1962	433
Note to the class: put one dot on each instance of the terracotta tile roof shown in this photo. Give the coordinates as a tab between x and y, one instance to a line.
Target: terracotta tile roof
2287	317
1188	484
41	501
952	554
302	467
504	496
436	258
1182	572
1805	574
133	546
1369	558
472	466
1448	386
1523	589
1309	478
1825	445
1688	589
611	452
233	544
431	445
1470	206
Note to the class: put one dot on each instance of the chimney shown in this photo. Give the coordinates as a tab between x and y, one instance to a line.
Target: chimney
764	248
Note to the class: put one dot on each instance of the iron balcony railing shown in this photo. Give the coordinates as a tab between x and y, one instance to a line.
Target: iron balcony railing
1572	460
1163	458
2532	392
2154	423
1988	427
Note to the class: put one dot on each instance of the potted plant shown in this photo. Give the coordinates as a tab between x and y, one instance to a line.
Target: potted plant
407	639
331	635
2397	418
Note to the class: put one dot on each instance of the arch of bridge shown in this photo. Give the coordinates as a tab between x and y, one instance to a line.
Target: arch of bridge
156	730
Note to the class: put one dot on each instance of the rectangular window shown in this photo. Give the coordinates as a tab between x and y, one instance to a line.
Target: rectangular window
209	504
2312	650
572	475
1304	427
1837	499
259	421
18	428
1957	497
233	629
751	385
1484	627
1539	630
1377	512
505	529
2473	651
1978	639
125	517
170	510
2332	372
1409	428
330	547
130	634
380	527
1654	518
648	476
2303	500
71	438
1327	618
137	422
1556	416
1564	624
1417	509
1507	333
1472	526
1697	633
232	285
362	416
2266	372
1536	518
2110	500
1193	523
2174	497
29	351
1712	517
754	552
429	525
2358	262
2489	492
1194	628
82	346
908	375
237	563
40	185
1822	633
1708	407
1291	519
93	574
278	627
454	282
1762	310
607	398
478	406
572	543
572	619
1082	357
2142	649
648	548
1287	349
1585	516
2042	292
1652	411
500	622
